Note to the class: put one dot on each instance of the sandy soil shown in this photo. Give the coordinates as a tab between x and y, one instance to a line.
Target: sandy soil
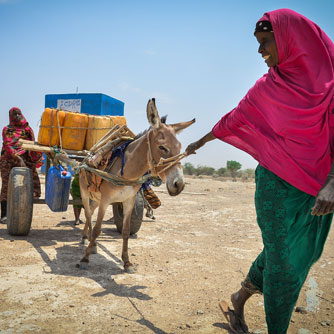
196	252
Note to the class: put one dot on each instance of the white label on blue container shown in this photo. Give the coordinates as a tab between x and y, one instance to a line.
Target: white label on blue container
73	105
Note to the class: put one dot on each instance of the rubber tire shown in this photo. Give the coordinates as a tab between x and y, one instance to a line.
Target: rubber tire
136	216
20	201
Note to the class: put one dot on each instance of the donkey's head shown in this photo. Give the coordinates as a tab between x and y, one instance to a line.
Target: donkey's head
163	144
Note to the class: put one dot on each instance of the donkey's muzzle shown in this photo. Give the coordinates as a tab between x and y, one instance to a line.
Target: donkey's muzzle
175	187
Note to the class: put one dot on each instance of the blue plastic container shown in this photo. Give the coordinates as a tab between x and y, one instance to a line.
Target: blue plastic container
58	189
90	103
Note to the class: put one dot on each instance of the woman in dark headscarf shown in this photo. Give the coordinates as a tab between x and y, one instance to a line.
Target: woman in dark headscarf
285	122
13	155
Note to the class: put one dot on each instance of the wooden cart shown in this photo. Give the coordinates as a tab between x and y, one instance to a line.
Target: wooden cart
20	199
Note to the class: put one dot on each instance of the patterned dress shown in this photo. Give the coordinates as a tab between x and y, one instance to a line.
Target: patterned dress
18	129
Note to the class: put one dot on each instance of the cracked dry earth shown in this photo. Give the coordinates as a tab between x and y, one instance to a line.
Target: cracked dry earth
195	253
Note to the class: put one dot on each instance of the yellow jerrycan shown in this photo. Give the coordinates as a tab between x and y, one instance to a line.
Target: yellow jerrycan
50	128
74	131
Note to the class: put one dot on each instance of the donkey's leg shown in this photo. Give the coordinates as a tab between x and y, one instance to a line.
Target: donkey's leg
127	211
93	206
96	232
88	215
83	183
90	207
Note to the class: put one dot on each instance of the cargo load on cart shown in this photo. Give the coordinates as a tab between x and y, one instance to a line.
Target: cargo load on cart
73	127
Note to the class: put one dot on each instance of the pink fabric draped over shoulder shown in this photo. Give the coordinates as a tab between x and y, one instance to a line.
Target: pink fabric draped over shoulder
285	121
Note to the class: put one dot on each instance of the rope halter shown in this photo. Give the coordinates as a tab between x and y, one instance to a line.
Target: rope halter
164	164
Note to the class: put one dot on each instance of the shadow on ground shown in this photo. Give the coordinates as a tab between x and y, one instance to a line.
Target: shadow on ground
103	268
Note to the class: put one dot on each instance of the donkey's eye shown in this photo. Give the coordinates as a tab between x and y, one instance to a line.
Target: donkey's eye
163	149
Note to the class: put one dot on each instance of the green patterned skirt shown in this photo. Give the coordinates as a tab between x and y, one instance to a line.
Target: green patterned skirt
293	241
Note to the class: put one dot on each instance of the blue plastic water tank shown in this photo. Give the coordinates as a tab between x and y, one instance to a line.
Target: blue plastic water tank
57	191
89	103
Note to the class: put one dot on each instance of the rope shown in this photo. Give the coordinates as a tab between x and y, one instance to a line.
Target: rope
151	163
120	181
50	138
163	163
60	139
117	180
72	127
155	168
170	162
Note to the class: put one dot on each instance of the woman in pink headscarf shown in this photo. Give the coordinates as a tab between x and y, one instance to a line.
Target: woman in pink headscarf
12	155
285	122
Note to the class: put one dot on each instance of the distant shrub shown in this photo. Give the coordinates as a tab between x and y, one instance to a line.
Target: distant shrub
205	170
189	169
232	169
221	171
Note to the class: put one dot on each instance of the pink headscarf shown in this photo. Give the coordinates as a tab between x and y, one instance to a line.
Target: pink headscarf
286	119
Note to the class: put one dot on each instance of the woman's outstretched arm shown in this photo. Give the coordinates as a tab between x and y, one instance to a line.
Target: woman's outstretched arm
199	143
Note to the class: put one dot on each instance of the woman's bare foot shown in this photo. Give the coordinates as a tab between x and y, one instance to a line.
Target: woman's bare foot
238	300
236	324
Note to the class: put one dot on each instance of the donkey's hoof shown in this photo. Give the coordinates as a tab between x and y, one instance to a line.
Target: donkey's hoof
84	241
93	250
83	265
130	269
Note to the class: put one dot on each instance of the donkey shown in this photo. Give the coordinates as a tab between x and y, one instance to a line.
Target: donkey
141	156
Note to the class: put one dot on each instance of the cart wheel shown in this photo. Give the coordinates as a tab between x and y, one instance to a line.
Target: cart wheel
20	200
136	216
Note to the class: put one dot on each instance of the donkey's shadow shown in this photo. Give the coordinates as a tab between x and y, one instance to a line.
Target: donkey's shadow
103	268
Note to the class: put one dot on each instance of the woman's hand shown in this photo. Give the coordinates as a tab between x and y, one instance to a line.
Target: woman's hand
193	147
199	143
324	201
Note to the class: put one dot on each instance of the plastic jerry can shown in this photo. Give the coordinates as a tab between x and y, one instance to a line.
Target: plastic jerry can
74	131
50	128
98	126
58	185
120	120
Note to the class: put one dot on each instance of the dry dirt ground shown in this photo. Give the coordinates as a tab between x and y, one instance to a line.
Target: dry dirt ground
195	253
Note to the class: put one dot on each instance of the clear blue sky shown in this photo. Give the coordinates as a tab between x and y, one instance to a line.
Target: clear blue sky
197	58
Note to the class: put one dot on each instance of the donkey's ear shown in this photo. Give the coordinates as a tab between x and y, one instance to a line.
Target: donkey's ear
152	114
178	127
